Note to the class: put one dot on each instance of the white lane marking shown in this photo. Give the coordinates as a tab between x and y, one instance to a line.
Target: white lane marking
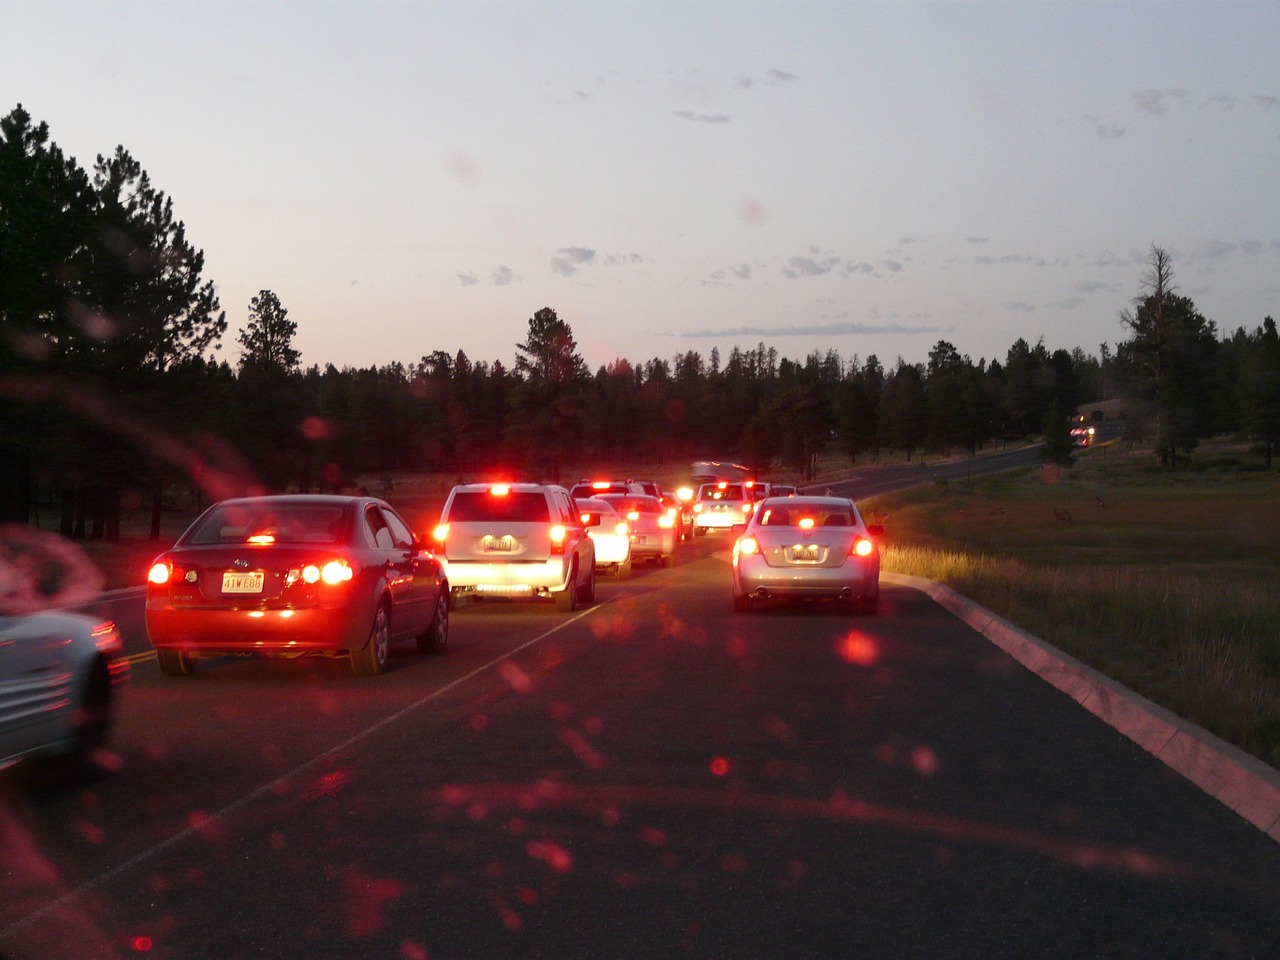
266	788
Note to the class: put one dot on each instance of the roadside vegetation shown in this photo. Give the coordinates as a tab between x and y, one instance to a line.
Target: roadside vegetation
1165	580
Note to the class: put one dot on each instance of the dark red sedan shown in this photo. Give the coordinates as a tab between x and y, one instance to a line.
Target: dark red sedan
295	575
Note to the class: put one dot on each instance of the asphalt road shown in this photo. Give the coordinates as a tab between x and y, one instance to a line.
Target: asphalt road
654	776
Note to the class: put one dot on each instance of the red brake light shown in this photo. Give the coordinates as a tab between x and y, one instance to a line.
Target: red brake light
806	523
862	547
262	538
159	573
558	536
747	545
621	529
336	571
600	485
499	489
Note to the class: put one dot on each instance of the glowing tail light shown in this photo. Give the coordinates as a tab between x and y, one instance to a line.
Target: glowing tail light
697	508
746	545
500	489
159	573
558	536
262	538
106	637
621	529
440	534
863	547
633	515
336	571
666	521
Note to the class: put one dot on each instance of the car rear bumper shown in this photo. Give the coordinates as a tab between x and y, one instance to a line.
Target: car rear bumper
507	579
272	632
753	577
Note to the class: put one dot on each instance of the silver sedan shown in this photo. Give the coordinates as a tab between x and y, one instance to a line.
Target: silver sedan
807	547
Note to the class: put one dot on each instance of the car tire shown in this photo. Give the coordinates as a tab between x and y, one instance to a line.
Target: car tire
436	639
741	604
567	599
370	659
622	571
665	560
175	663
588	594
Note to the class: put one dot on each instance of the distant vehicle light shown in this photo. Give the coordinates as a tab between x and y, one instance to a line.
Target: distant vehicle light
722	485
666	521
863	547
441	532
685	493
697	508
558	536
633	515
159	573
600	485
621	529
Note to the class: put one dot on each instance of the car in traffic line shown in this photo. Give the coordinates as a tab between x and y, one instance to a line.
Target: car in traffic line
651	527
609	533
721	505
295	575
61	675
807	547
518	541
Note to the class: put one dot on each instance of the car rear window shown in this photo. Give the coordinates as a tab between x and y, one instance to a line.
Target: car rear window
794	516
638	504
270	523
486	507
713	491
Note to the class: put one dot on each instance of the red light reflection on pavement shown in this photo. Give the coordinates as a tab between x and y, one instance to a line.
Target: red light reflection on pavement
719	766
858	648
592	798
364	898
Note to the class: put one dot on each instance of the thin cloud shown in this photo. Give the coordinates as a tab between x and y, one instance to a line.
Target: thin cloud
1264	102
1104	130
772	78
1020	306
1159	102
468	279
808	267
702	117
502	276
812	330
621	259
567	260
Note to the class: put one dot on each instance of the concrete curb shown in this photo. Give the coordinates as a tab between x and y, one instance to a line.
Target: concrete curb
1237	779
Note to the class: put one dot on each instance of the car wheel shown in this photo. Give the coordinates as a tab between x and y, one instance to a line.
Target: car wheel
741	604
567	599
622	571
665	560
370	660
437	637
699	531
175	663
589	590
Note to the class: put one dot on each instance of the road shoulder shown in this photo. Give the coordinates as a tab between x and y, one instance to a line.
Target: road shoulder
1237	779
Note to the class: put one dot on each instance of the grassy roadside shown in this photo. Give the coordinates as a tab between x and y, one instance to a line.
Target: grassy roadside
1165	580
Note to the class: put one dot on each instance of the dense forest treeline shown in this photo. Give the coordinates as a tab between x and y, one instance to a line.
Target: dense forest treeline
110	391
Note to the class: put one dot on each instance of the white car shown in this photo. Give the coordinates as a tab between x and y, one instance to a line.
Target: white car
722	505
518	541
608	530
801	548
60	677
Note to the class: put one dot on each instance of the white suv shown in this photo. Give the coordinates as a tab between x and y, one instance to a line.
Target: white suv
516	540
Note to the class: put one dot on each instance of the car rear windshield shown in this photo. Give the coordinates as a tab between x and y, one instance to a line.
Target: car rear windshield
638	504
794	516
486	507
270	523
713	491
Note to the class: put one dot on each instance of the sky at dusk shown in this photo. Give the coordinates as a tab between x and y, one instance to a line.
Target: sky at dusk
860	176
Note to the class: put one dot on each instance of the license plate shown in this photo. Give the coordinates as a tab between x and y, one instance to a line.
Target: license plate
805	553
638	540
242	582
500	545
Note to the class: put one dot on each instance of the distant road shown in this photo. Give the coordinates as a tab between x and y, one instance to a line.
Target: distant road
874	480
